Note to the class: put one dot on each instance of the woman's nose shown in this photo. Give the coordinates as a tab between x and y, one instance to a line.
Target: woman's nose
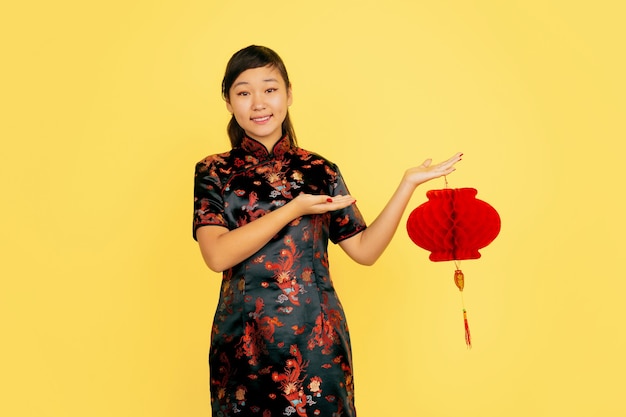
258	103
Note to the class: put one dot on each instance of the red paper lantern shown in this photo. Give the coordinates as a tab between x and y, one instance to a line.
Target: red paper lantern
453	225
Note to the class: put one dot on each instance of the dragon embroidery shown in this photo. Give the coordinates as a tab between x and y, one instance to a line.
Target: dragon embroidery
257	333
284	271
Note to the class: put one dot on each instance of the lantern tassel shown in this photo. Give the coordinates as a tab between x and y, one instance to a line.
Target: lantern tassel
468	337
459	280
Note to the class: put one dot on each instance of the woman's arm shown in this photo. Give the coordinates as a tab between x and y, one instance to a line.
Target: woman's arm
367	246
222	248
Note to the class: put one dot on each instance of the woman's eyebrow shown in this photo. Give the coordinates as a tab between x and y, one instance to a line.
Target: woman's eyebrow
267	80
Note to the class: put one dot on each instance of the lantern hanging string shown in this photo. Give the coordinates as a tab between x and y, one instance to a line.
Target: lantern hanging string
459	280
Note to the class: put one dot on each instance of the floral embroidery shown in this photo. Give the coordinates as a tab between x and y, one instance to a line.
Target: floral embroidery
279	340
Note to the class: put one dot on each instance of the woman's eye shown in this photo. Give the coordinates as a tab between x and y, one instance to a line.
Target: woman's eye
242	93
270	90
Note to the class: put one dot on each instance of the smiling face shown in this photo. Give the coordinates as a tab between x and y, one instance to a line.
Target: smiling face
259	100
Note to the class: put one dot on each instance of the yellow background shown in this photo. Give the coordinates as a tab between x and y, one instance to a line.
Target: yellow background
106	106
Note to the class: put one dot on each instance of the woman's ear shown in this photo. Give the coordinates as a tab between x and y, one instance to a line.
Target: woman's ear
289	95
229	107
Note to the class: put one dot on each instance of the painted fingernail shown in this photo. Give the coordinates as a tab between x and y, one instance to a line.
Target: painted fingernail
330	200
354	202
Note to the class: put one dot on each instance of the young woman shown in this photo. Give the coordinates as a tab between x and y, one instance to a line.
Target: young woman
263	215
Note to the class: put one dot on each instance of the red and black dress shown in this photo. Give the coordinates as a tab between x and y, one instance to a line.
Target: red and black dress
280	344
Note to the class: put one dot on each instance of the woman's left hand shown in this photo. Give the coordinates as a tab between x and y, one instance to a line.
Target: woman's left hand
427	171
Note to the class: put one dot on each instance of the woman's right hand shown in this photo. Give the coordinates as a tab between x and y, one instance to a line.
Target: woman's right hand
319	204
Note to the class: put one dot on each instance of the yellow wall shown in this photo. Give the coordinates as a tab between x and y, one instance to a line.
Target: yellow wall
106	106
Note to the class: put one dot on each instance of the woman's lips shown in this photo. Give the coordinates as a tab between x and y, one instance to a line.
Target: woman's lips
261	120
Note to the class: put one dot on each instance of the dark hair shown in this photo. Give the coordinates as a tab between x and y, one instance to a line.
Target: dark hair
247	58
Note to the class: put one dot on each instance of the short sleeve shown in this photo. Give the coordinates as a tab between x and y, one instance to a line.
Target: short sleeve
207	200
346	222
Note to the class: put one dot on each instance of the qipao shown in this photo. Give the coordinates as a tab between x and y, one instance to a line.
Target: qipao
279	342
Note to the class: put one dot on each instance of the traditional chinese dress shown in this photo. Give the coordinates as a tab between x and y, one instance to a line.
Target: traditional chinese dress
280	342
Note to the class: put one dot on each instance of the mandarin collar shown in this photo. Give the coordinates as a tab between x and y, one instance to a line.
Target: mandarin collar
260	151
